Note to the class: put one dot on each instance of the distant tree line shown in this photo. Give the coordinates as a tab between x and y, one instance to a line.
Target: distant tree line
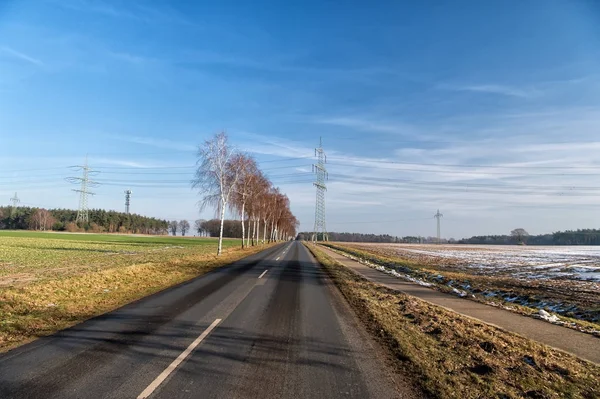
211	228
382	238
100	220
568	237
183	226
516	236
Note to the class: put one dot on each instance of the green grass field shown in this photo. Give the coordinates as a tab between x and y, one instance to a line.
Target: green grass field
115	238
27	256
49	281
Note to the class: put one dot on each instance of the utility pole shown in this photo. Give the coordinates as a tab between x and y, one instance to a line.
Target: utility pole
127	200
438	216
321	172
86	183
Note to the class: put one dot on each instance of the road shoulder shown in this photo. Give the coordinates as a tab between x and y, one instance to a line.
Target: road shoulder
379	370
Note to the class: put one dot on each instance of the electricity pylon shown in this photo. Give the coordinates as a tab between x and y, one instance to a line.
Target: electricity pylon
15	202
86	183
127	200
438	216
319	169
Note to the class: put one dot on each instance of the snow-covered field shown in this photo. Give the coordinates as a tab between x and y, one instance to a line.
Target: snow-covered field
548	262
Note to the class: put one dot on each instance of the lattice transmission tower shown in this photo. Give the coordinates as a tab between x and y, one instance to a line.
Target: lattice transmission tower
85	184
438	216
127	200
15	202
322	176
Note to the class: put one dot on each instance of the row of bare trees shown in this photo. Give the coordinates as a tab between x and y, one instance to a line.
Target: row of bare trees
182	226
229	179
41	219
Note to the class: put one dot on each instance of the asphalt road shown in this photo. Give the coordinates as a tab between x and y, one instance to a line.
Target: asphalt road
269	326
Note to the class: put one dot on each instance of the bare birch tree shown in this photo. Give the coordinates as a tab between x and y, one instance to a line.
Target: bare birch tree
216	176
248	175
255	204
41	219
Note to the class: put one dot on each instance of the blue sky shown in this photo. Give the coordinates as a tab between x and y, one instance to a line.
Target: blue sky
489	111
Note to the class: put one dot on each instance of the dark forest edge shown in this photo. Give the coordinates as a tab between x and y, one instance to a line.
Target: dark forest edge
568	237
100	221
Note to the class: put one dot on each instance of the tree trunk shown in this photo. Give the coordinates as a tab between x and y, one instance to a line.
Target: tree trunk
265	232
243	225
253	221
221	230
257	235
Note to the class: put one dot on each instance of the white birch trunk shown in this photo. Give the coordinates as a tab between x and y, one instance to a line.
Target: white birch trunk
219	250
243	225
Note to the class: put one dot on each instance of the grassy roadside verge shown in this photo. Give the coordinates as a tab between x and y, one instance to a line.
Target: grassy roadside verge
49	305
526	298
452	356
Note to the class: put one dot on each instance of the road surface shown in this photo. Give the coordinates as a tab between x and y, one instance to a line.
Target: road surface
268	326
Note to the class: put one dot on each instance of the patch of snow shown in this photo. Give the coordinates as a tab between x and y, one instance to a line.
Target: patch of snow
460	293
552	318
570	262
403	276
383	269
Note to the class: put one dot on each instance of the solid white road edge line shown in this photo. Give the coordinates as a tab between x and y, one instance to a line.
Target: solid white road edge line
159	380
263	273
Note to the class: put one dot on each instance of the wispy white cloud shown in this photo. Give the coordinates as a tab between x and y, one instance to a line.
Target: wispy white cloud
533	90
284	64
20	55
504	90
158	143
119	162
368	125
360	203
131	58
129	10
588	146
269	145
103	8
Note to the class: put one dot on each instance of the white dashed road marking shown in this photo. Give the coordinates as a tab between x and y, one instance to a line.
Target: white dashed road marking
159	380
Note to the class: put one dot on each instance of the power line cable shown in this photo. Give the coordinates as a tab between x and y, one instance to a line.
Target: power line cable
403	169
462	165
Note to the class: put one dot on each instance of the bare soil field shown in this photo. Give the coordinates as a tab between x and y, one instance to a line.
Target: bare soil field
577	263
562	281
